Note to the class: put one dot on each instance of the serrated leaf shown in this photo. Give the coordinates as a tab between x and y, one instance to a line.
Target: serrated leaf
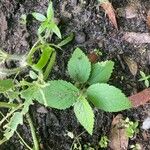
60	94
29	96
101	72
5	85
11	127
56	94
39	16
84	114
79	66
50	11
108	98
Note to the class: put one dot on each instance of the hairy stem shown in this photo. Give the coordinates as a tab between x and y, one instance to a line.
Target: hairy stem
31	52
35	140
22	140
10	113
8	105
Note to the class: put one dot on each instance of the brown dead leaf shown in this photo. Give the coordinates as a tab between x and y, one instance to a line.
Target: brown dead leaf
93	57
118	137
137	38
148	19
140	98
107	6
133	67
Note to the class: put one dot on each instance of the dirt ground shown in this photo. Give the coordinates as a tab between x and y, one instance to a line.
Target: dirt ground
92	30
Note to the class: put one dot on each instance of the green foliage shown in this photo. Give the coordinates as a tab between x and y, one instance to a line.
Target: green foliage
59	94
144	78
131	127
84	114
79	66
107	98
11	127
105	69
136	147
22	94
48	24
5	85
103	143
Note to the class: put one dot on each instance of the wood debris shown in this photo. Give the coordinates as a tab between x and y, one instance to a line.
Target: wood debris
107	6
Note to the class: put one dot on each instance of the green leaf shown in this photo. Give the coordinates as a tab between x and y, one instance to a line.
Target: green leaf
107	98
29	96
11	127
42	27
146	82
44	58
142	74
101	72
6	85
54	28
57	94
66	40
79	66
50	11
60	94
39	16
84	114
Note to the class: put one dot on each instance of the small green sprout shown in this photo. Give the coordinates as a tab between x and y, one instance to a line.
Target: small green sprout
136	147
144	78
23	19
131	128
48	23
103	143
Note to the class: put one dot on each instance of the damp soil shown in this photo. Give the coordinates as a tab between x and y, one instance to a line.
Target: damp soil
92	30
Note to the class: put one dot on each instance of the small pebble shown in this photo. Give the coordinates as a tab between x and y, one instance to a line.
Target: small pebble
80	37
146	124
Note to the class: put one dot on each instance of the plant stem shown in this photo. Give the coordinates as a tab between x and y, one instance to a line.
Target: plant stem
22	140
8	105
50	65
9	114
35	140
31	52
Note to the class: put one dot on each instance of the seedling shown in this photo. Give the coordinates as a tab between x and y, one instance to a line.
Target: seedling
90	86
103	143
48	23
136	147
144	78
19	93
46	50
131	128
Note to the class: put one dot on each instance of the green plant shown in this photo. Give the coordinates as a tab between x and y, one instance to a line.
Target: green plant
18	93
48	23
136	147
90	86
103	143
144	78
131	127
46	51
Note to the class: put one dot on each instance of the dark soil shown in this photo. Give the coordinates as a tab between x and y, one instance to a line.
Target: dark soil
92	30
